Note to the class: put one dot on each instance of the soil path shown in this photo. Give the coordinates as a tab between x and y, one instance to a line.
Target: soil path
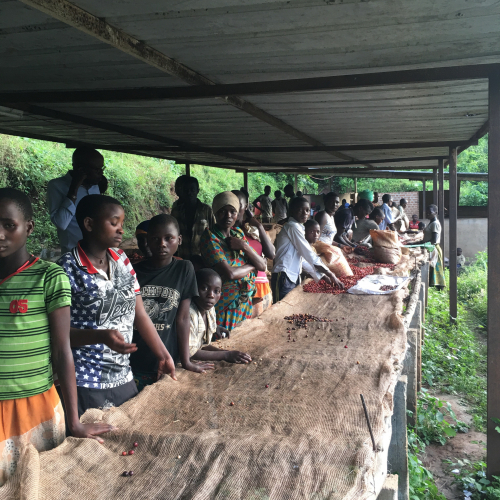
459	447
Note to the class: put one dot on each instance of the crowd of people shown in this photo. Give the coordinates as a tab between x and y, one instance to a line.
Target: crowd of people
92	330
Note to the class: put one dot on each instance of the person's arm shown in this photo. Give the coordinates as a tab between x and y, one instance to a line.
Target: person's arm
242	244
64	366
112	338
62	207
256	202
267	247
183	325
321	219
149	334
212	353
230	273
305	251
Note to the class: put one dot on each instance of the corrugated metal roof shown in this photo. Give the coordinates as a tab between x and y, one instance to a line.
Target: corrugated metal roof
234	41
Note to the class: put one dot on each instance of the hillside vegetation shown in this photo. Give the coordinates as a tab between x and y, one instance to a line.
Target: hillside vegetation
145	185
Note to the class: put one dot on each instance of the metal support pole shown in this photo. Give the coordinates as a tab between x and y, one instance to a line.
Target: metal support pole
355	185
330	185
295	184
424	200
245	180
188	169
441	201
453	209
493	364
435	187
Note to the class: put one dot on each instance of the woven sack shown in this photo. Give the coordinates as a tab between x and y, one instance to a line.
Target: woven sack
387	255
334	259
384	238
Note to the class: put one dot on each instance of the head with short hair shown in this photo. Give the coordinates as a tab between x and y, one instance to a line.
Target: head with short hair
377	215
16	222
163	238
90	162
288	190
277	194
432	211
267	190
414	217
312	231
403	202
299	209
387	198
421	226
209	288
363	208
243	205
187	188
344	201
299	194
332	202
459	251
100	218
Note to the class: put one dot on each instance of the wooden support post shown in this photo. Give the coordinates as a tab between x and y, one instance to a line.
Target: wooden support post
188	169
424	200
441	201
355	185
493	364
330	185
410	367
245	180
434	187
295	184
453	208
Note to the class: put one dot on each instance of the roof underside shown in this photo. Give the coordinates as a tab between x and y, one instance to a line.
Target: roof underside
229	41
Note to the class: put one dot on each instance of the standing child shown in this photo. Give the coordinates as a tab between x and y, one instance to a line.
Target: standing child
106	305
203	323
35	299
167	287
292	249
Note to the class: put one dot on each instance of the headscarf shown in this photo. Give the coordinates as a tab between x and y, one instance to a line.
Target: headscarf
223	199
366	195
142	228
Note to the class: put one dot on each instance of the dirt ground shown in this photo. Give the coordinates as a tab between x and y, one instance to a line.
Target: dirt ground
459	447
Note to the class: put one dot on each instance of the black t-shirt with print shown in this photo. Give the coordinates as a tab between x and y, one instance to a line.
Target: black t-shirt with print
162	290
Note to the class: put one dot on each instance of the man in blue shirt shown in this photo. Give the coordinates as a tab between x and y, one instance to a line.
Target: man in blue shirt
64	194
389	219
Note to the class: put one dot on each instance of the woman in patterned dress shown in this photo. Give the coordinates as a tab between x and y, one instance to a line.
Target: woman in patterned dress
226	250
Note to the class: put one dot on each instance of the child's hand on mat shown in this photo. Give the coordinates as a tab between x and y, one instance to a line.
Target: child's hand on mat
237	357
91	431
114	340
166	366
199	367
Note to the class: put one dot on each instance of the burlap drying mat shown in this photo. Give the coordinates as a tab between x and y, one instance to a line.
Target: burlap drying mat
304	437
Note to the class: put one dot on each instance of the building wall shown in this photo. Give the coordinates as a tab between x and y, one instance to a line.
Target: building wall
472	236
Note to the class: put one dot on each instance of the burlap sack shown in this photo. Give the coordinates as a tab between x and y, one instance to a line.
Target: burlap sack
384	238
334	259
387	255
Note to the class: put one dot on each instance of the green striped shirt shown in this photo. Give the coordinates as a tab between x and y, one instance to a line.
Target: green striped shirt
26	300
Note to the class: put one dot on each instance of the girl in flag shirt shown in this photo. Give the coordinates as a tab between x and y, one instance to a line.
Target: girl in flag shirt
106	306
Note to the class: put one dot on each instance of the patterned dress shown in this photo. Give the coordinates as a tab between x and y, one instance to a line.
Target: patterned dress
235	304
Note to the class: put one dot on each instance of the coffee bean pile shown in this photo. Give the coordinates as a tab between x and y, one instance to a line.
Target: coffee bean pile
301	320
347	281
386	288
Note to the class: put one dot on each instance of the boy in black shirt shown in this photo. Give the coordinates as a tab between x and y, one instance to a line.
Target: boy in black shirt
167	287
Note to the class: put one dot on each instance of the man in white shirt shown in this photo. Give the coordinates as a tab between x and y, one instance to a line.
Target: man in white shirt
389	219
293	250
64	194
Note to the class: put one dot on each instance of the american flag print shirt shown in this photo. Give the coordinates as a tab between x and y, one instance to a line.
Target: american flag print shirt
101	302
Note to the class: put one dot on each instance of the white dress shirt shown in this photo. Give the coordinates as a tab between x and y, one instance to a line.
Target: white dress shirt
62	210
293	251
388	219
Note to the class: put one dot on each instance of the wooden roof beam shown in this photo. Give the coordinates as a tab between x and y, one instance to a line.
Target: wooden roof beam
98	28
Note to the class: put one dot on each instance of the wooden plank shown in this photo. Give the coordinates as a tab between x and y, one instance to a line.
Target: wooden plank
435	187
441	201
493	364
453	209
